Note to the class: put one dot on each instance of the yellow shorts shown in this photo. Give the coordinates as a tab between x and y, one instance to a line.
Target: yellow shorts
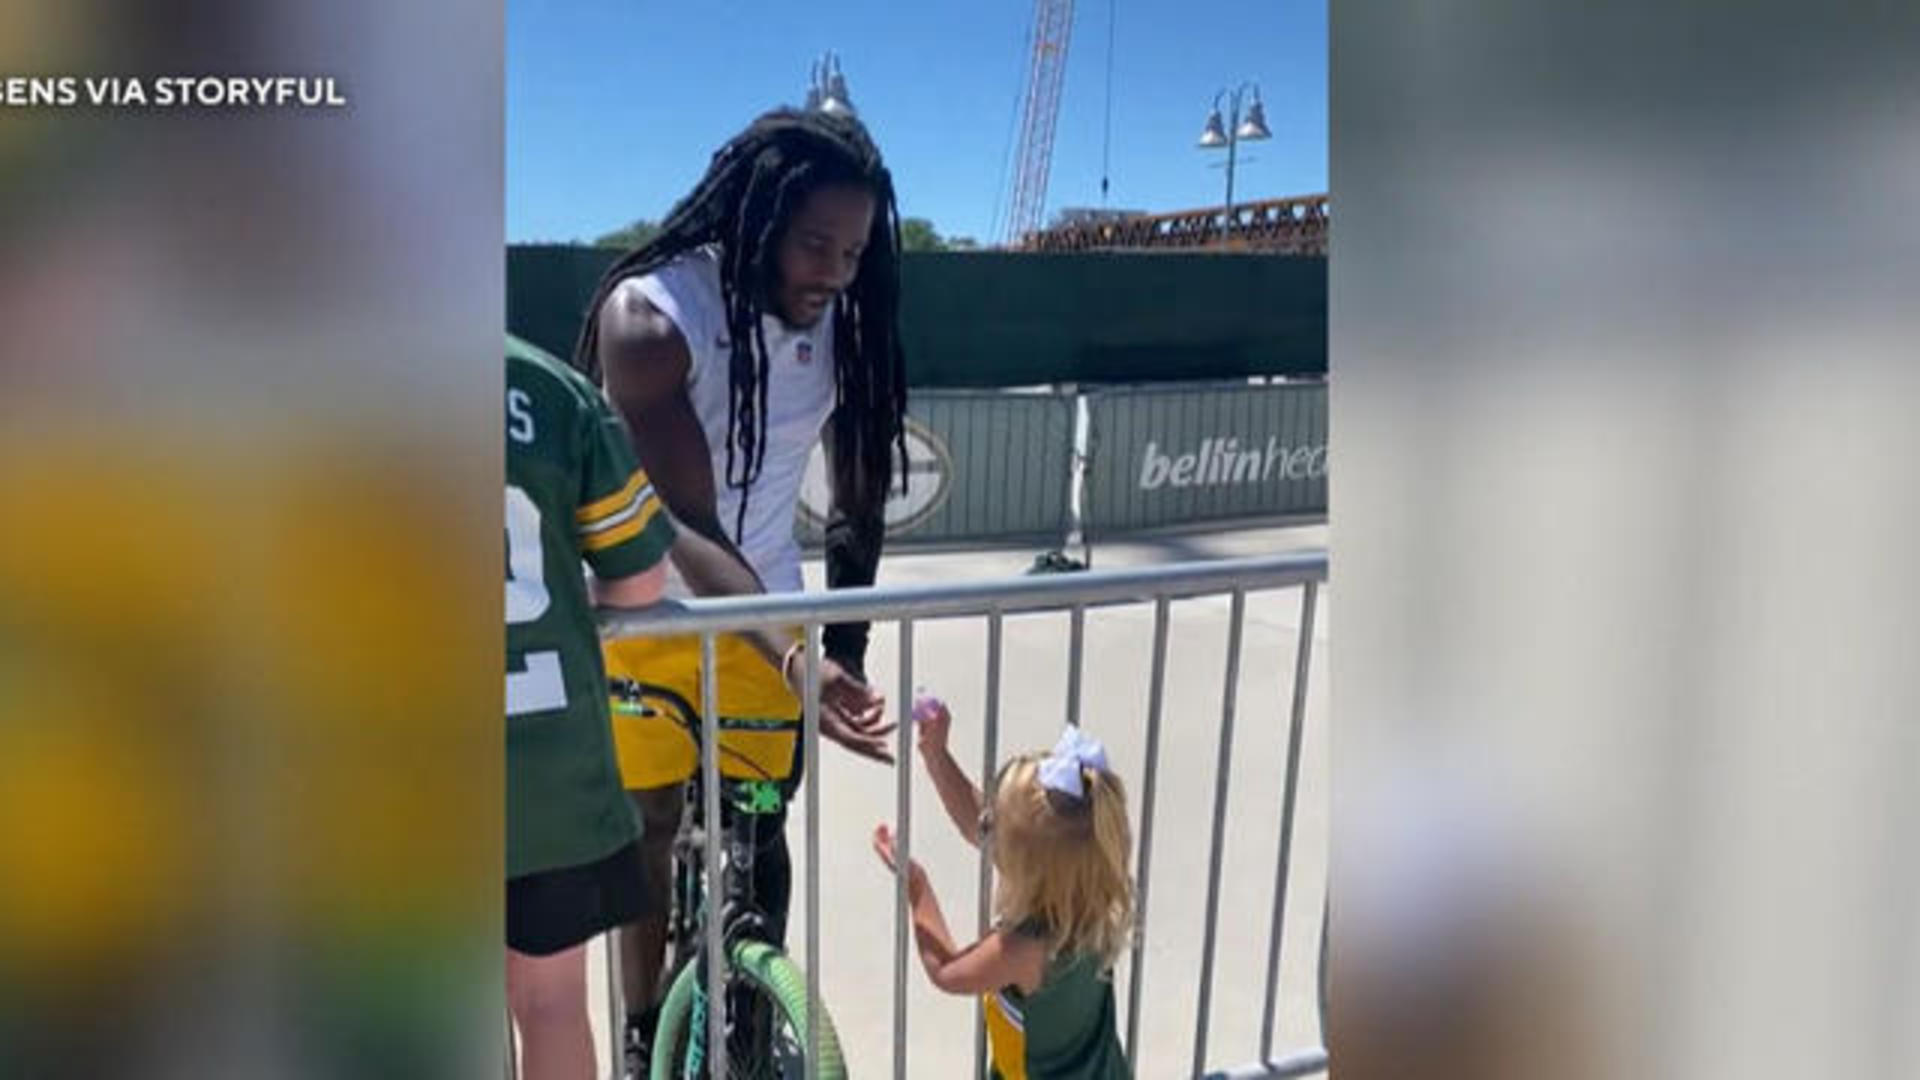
654	735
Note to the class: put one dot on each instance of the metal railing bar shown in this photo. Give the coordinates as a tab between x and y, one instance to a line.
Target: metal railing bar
1304	1063
513	1048
710	772
903	852
989	766
616	999
993	600
1092	588
1303	656
1321	976
810	753
1229	699
1156	696
1076	655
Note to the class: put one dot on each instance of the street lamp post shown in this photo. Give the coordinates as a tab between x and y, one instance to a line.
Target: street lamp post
828	89
1230	133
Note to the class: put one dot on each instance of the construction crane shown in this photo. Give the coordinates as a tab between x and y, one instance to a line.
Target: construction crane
1039	112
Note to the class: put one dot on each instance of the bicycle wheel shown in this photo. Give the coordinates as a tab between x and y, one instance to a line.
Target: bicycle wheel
766	986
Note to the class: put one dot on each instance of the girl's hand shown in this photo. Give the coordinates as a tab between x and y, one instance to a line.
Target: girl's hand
916	875
931	722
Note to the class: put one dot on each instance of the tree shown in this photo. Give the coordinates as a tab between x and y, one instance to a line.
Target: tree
631	236
918	234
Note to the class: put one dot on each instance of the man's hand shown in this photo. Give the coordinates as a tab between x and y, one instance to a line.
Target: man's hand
852	713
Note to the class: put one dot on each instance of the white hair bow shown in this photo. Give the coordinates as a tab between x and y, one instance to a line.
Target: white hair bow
1060	770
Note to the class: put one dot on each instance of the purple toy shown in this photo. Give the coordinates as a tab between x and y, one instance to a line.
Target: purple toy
925	705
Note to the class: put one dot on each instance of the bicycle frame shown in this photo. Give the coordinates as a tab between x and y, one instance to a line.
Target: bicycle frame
739	910
744	803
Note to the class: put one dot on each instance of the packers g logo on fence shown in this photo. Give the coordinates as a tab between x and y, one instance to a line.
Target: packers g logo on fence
929	480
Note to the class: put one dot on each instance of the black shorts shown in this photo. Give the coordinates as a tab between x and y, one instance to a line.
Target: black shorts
554	910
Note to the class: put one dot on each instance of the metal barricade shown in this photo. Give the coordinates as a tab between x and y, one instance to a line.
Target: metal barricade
994	602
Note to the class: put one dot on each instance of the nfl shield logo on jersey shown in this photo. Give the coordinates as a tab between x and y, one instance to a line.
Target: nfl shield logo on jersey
804	352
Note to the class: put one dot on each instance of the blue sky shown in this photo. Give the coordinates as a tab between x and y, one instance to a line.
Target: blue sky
613	106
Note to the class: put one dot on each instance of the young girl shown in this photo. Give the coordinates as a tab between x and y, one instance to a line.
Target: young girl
1057	830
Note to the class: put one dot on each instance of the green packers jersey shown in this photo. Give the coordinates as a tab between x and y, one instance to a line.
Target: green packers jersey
1065	1030
574	492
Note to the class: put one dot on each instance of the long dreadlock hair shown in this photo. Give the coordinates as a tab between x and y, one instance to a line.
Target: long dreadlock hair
744	203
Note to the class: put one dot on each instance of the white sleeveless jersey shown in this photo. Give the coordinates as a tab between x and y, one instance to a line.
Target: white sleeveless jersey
800	395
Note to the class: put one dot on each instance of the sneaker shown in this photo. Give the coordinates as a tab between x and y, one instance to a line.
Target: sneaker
636	1050
1055	562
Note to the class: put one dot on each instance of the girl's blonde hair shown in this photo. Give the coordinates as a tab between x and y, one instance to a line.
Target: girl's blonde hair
1063	860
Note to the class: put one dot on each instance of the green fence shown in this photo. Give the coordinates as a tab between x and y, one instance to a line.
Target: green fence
984	468
995	319
1176	457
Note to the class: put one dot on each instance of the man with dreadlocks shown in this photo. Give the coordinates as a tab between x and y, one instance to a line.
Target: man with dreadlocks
761	317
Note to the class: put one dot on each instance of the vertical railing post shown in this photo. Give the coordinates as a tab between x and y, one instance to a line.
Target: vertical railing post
989	768
710	774
1229	698
513	1049
810	753
903	852
1320	978
1076	652
1289	793
616	999
1156	696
